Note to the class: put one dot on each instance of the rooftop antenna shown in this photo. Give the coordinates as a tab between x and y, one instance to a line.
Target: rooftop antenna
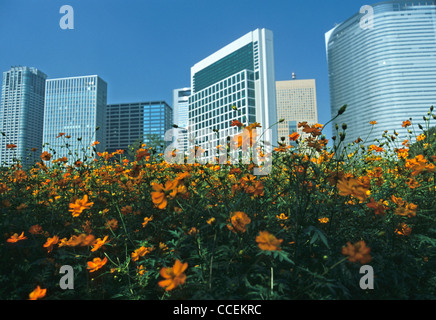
293	76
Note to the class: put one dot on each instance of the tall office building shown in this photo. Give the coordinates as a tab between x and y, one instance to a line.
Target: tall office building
239	75
181	119
21	113
128	123
76	107
382	64
296	102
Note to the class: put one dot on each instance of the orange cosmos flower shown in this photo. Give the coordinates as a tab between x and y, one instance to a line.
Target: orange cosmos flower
60	134
352	187
11	146
403	230
379	206
421	137
160	193
38	293
268	242
46	156
96	264
357	252
142	251
97	244
406	124
95	143
146	221
51	242
294	136
15	237
236	123
35	229
373	122
239	221
111	224
79	205
173	276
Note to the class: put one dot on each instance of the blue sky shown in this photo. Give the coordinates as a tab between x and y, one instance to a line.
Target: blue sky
144	49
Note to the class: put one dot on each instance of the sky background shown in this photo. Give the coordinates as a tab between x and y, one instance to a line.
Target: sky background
144	49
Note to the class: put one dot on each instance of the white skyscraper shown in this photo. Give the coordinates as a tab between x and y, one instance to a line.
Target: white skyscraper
21	114
239	75
181	119
76	107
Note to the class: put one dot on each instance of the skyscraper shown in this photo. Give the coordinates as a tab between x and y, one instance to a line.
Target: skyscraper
382	64
128	123
181	119
296	102
21	113
75	107
241	75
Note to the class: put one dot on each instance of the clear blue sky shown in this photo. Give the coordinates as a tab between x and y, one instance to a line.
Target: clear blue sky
144	49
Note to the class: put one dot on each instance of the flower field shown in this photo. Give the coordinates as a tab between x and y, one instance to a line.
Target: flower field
141	228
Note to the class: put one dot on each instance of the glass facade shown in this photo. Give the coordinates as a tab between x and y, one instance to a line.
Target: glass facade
236	61
128	123
76	107
240	75
386	73
21	114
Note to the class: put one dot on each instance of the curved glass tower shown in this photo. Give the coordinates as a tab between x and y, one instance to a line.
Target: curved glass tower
382	64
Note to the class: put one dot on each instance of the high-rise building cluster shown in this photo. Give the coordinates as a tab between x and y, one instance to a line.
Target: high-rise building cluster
382	65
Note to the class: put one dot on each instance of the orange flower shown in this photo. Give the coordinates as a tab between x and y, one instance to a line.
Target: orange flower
250	184
95	143
357	252
379	206
96	264
46	156
268	242
236	123
38	293
406	124
146	221
239	222
142	251
294	136
375	148
173	276
51	242
421	137
352	187
111	224
79	205
97	244
60	134
373	122
126	210
35	229
403	230
408	209
15	237
160	193
11	146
